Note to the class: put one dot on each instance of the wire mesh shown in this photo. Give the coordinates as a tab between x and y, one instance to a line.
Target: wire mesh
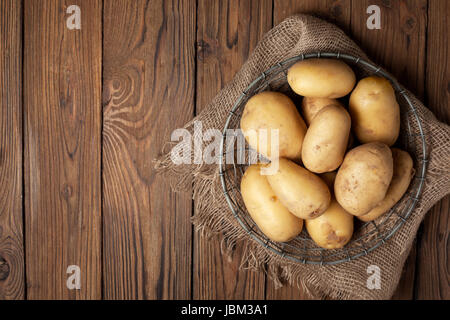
367	236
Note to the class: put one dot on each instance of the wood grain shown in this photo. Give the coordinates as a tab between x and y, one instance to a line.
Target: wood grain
438	59
148	81
337	12
227	33
334	11
62	95
433	274
12	269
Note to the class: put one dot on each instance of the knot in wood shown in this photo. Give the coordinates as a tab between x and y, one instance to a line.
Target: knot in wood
67	191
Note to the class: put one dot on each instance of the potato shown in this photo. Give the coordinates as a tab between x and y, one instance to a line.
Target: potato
274	220
364	177
302	192
326	140
273	110
321	78
375	112
311	106
403	173
333	229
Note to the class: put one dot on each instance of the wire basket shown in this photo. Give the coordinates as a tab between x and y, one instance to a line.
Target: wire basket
367	236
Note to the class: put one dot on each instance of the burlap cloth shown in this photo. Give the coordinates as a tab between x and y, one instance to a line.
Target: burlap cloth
296	35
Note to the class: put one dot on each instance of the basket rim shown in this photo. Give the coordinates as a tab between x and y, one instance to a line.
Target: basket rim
413	197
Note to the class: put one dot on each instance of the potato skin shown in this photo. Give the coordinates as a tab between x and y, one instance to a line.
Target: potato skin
321	78
403	174
311	106
364	177
375	111
302	192
273	110
274	220
333	229
326	140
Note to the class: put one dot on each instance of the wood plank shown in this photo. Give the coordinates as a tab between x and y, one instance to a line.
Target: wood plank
149	76
12	268
227	33
337	12
398	46
438	59
433	276
62	96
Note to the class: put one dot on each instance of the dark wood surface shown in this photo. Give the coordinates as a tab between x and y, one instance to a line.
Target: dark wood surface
83	113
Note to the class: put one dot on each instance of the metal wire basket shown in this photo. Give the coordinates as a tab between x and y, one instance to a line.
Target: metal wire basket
367	236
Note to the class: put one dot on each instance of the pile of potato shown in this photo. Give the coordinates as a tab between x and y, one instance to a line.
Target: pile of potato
324	177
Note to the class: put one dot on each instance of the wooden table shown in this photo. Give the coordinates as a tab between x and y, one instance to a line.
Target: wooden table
83	113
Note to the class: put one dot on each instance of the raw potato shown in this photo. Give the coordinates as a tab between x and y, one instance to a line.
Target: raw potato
403	173
364	177
311	106
274	220
333	229
302	192
326	140
273	110
375	111
321	78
